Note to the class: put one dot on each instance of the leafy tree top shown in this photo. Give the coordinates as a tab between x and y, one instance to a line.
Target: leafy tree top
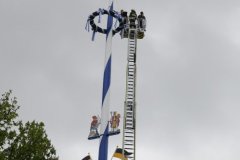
20	141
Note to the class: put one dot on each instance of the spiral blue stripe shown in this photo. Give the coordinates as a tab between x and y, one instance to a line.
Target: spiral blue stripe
109	22
107	79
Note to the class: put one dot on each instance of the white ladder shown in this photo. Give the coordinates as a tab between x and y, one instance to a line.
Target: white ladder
129	128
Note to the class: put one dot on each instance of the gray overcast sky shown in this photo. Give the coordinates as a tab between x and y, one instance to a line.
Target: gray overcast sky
188	94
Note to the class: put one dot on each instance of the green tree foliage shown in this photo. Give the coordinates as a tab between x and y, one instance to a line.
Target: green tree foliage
20	141
32	143
8	115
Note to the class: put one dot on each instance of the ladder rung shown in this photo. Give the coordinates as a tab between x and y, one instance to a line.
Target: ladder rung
129	136
129	103
129	129
128	144
129	141
132	71
129	116
132	67
129	133
129	157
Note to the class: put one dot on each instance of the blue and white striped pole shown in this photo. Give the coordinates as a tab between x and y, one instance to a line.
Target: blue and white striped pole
103	148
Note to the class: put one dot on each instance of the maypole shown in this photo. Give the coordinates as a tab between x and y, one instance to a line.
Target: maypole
132	27
103	148
105	105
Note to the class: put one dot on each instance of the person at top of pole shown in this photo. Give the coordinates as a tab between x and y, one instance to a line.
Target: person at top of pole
133	18
142	21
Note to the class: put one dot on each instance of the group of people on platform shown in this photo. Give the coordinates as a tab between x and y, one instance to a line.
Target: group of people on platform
133	17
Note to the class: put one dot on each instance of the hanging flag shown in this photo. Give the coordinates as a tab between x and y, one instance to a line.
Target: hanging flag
119	154
87	158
